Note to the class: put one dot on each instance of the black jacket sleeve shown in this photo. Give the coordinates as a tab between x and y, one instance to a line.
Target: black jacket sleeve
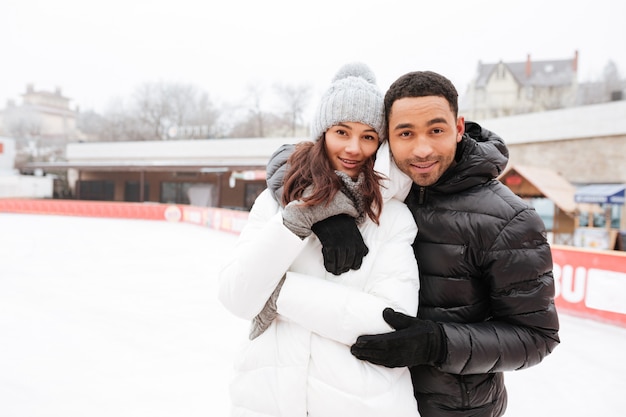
524	326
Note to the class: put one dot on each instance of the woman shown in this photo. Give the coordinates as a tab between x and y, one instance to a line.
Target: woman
304	319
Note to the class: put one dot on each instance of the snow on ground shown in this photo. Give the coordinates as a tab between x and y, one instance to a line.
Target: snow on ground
111	317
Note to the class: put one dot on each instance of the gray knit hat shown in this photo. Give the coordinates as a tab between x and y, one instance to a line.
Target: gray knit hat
353	96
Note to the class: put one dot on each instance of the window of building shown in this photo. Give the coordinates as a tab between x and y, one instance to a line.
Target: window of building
96	190
132	191
545	208
252	191
613	211
175	192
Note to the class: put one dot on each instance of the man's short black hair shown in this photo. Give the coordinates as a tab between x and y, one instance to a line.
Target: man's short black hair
422	84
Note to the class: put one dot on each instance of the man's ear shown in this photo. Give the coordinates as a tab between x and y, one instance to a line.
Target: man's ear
460	128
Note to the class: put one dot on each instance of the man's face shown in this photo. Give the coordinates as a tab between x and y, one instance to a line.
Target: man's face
423	135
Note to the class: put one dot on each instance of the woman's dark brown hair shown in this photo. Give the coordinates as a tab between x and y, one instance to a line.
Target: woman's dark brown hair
309	165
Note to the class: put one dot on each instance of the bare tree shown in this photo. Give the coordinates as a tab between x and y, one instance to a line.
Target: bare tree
191	112
25	125
613	82
174	111
157	111
91	124
118	123
153	110
255	94
206	116
248	125
294	99
252	120
609	86
22	122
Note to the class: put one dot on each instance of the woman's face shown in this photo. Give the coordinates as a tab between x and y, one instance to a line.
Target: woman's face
349	145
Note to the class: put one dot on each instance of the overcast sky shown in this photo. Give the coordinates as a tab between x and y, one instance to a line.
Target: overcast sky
97	51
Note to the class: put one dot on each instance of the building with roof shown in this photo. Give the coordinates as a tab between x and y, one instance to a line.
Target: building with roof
42	123
41	113
558	154
586	144
508	88
227	173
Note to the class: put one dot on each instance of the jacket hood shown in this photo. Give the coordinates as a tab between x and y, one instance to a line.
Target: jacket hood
480	157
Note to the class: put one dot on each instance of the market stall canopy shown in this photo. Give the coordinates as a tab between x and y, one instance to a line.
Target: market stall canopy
601	194
543	182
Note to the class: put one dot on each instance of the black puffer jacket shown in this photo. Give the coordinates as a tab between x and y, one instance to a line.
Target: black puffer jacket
486	275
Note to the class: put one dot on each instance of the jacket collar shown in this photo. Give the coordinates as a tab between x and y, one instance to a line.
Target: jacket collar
481	156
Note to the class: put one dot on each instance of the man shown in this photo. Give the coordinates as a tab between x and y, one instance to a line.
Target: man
486	284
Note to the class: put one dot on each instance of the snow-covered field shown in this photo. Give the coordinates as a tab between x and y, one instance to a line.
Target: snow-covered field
110	317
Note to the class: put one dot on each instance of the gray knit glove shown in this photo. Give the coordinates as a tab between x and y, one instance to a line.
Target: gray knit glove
262	321
352	189
299	218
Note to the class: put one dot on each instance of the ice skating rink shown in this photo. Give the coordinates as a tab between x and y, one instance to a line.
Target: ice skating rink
119	318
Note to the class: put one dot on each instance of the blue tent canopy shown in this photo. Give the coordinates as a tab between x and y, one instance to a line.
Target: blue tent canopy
601	194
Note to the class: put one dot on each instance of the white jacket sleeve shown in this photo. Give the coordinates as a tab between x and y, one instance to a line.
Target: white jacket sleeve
342	312
263	253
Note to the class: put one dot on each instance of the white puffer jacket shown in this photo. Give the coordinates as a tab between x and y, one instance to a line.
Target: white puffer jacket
301	365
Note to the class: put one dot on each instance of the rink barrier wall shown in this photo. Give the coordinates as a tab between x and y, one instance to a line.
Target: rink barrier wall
588	283
226	220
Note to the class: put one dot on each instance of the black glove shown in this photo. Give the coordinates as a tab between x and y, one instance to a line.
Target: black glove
342	244
415	342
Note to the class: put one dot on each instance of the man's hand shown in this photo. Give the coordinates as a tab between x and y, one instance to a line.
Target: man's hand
415	342
342	244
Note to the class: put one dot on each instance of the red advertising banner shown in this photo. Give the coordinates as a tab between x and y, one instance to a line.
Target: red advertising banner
591	283
89	208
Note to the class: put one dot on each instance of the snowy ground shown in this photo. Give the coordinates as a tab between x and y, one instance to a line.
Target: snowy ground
106	317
